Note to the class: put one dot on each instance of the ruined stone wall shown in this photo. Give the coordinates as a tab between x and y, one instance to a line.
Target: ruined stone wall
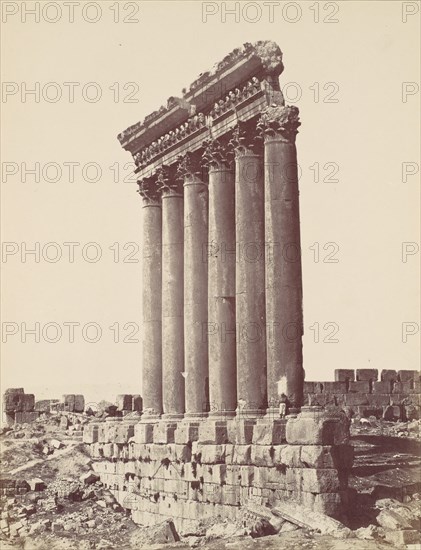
192	470
395	396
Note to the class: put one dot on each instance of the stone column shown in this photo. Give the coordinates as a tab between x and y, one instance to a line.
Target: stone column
172	295
152	297
284	315
221	281
250	272
196	378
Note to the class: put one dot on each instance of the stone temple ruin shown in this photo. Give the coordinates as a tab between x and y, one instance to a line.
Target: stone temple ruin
223	321
222	310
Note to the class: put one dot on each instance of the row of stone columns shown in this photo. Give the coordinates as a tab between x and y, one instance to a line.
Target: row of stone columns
222	299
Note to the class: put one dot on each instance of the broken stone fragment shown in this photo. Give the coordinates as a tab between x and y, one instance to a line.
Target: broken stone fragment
36	484
56	444
89	477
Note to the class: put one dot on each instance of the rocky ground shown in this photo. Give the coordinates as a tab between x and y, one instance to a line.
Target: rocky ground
51	499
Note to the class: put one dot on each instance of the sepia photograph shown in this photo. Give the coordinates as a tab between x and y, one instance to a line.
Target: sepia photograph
210	275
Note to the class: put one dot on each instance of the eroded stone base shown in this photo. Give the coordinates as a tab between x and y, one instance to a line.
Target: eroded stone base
190	470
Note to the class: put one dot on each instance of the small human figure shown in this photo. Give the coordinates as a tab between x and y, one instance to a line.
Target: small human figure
283	402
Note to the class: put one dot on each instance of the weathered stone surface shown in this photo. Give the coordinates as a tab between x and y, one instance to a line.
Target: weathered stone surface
242	454
400	537
214	432
243	431
361	386
314	427
356	399
89	477
124	402
344	375
269	432
337	387
317	480
164	432
382	387
408	375
36	484
392	519
388	375
367	374
144	432
137	403
186	432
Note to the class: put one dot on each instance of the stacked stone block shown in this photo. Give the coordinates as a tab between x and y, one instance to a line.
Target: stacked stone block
193	470
74	403
19	406
365	393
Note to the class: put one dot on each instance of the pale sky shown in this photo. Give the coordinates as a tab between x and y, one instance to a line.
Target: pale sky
361	61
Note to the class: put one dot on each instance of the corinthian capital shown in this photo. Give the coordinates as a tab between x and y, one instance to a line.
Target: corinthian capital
218	155
280	121
148	190
190	168
245	139
167	182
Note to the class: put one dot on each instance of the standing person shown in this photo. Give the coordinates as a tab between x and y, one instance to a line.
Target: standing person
283	402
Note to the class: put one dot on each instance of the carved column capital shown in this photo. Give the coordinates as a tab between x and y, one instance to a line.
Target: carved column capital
167	182
149	192
218	155
246	140
279	121
191	169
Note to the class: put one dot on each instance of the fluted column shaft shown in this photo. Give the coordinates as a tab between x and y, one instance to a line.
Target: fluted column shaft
195	287
250	273
221	283
152	299
283	259
172	296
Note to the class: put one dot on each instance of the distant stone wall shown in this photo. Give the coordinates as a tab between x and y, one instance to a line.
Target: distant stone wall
21	408
396	395
190	470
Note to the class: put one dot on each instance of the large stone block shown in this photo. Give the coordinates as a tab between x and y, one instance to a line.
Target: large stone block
124	402
337	387
388	375
356	399
287	455
338	457
269	432
143	432
187	431
164	432
262	455
243	431
18	401
242	454
69	402
79	403
124	433
344	375
214	432
362	386
367	375
315	427
90	434
210	454
378	400
317	480
385	386
408	375
137	403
